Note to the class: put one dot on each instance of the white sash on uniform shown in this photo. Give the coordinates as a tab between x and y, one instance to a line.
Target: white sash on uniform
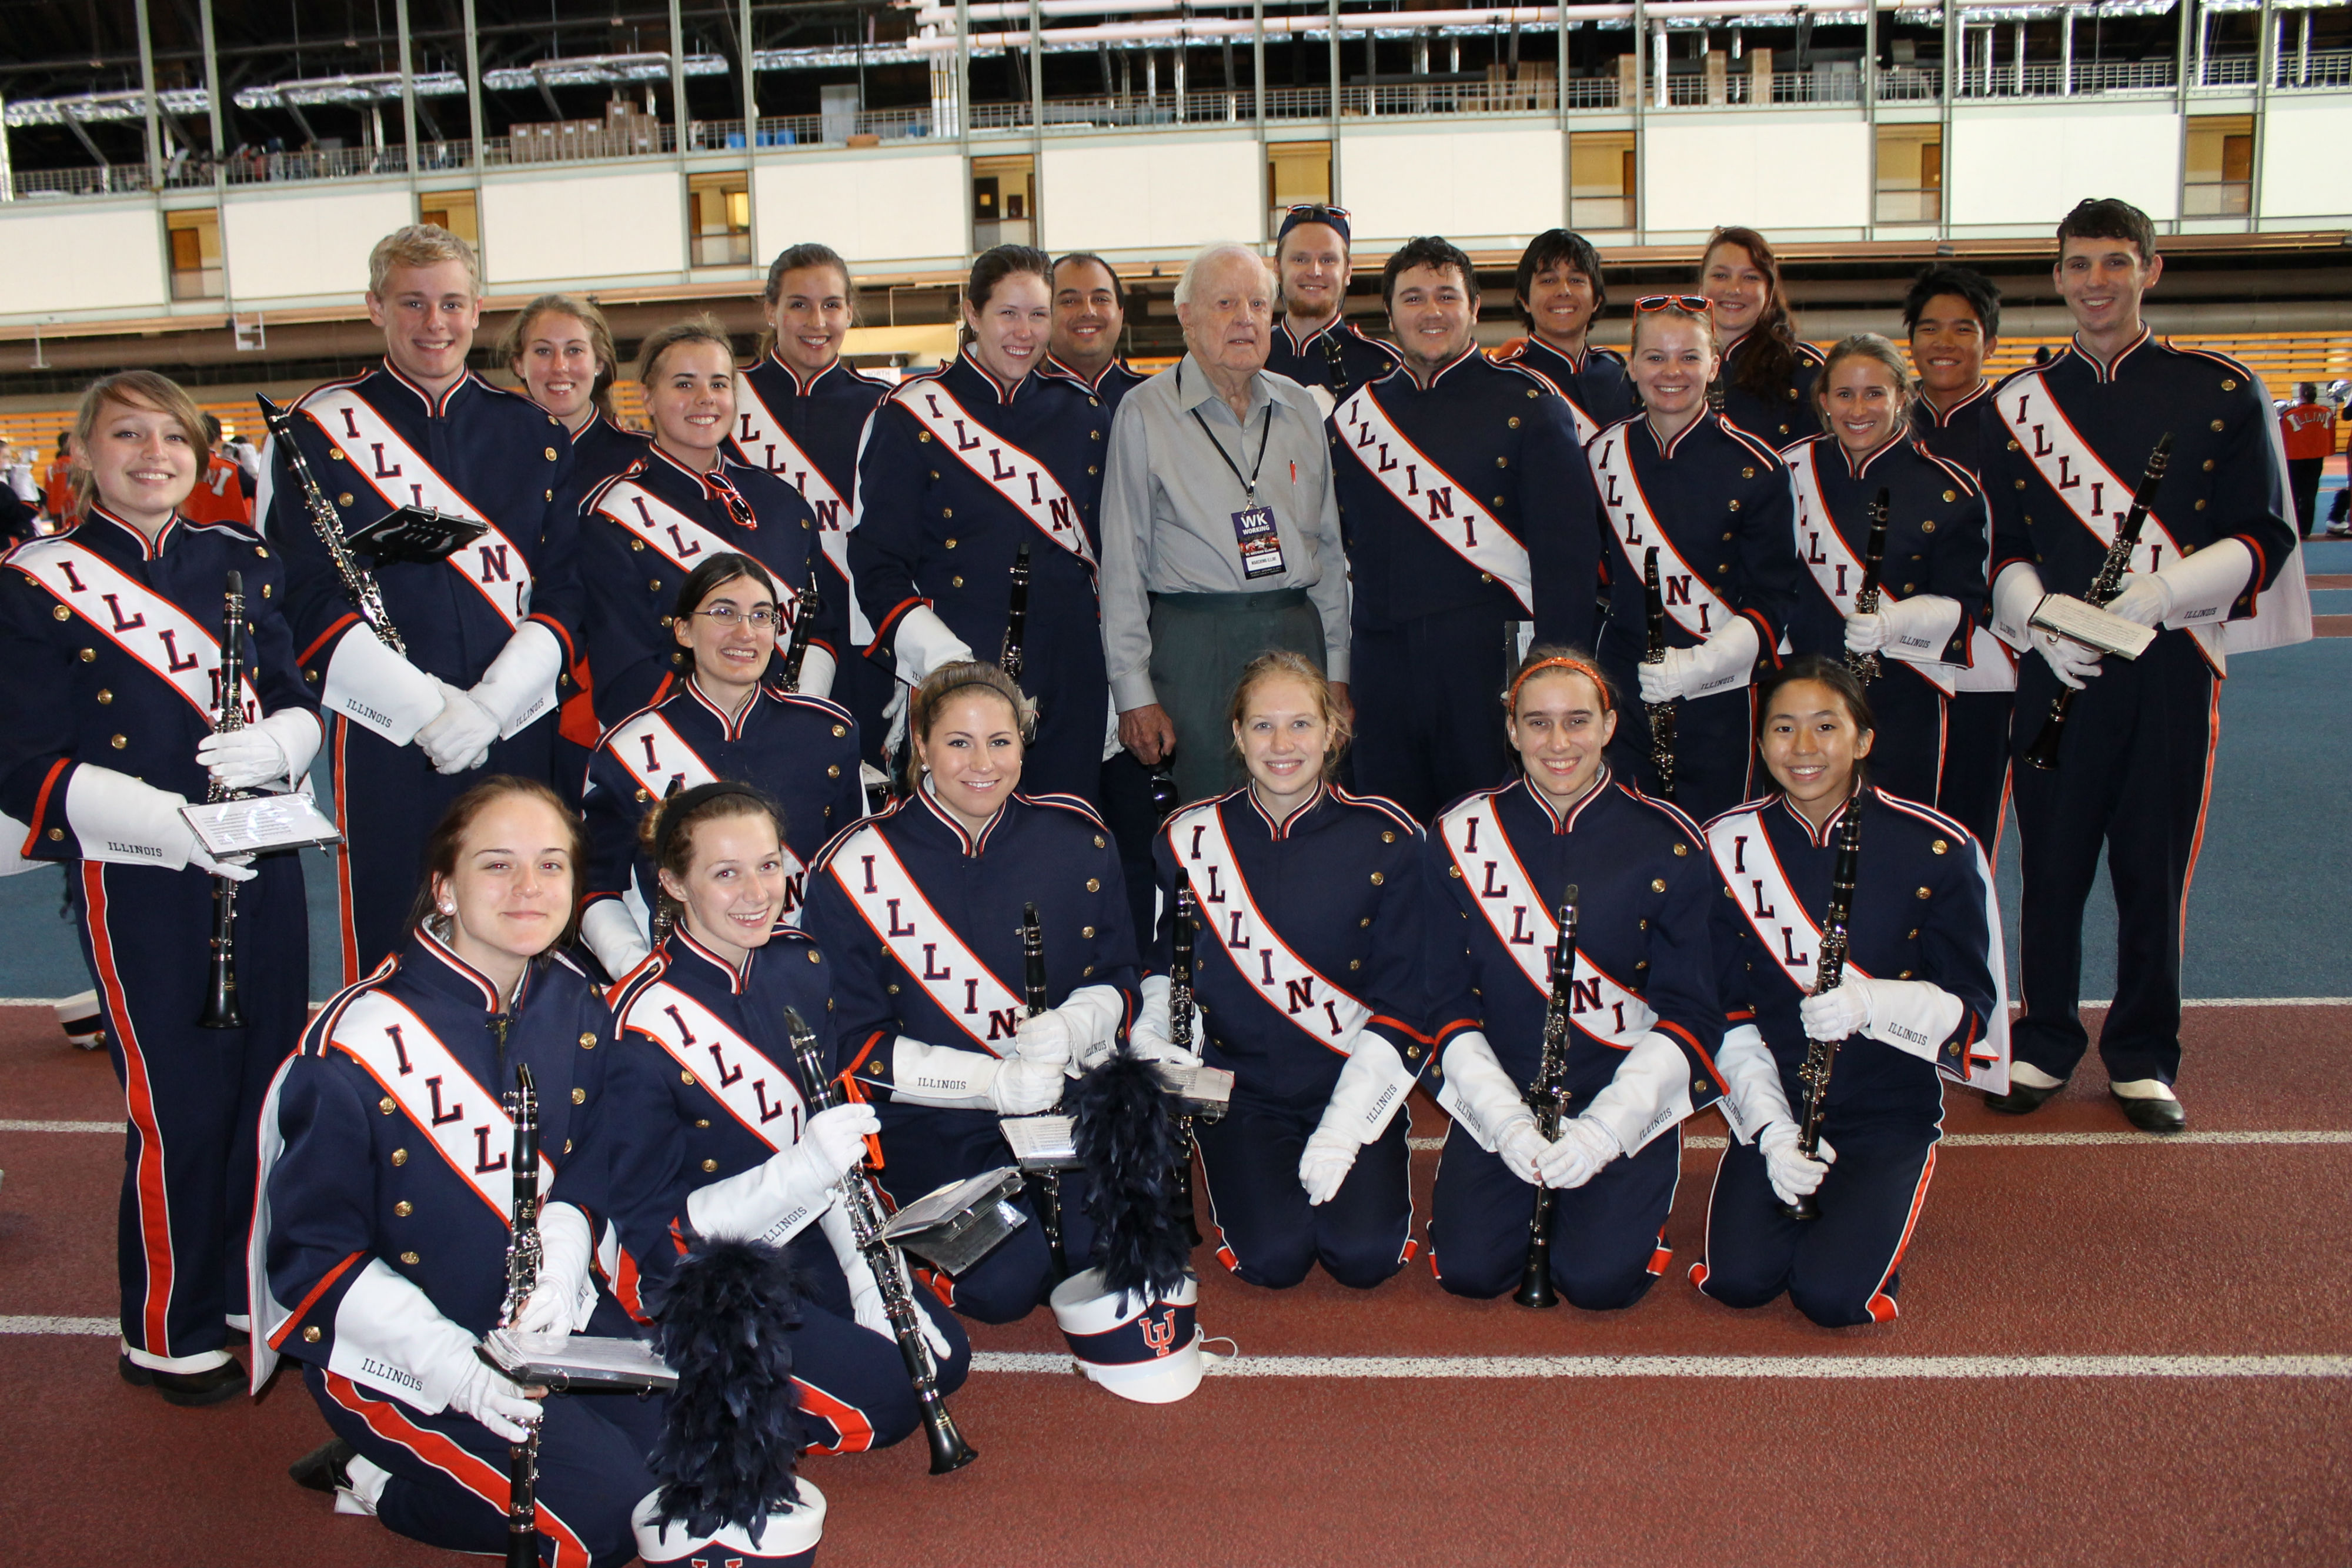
1003	467
1442	503
1688	600
763	440
656	756
492	565
755	1091
1292	986
678	539
145	624
925	945
1836	570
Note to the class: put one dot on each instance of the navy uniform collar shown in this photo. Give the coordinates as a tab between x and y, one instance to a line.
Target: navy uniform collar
98	529
1942	418
1856	470
804	388
434	408
1532	344
1563	821
968	370
968	843
1666	448
1820	839
2113	367
690	690
1306	817
435	966
684	956
1060	371
701	481
1447	369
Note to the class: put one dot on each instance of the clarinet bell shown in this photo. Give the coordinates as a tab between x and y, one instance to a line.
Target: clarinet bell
1805	1207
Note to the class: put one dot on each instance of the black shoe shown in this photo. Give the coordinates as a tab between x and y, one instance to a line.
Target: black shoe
209	1388
2021	1098
2153	1115
325	1468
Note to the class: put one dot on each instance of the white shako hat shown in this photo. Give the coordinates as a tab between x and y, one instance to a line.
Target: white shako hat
788	1540
1140	1346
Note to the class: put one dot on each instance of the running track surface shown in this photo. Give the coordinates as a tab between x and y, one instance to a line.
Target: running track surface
2111	1248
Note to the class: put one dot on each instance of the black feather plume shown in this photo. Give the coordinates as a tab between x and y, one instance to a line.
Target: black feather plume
1127	1139
732	1437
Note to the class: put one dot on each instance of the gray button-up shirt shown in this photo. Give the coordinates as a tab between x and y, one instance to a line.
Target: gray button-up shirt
1168	511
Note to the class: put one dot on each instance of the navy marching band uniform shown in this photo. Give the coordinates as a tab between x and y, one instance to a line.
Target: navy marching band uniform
1785	415
1923	912
600	449
2138	749
1931	580
1975	783
375	443
1338	359
801	752
652	525
1714	503
1112	384
380	1249
1466	504
705	1094
1644	1025
807	433
956	473
112	661
921	924
1312	938
1595	385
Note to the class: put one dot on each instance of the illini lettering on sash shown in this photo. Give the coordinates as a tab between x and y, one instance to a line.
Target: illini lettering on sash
1291	986
1005	468
925	945
136	618
1693	605
1447	507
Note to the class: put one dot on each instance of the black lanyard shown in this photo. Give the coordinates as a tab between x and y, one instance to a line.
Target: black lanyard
1265	431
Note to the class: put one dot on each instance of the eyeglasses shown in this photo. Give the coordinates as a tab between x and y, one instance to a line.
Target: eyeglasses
738	510
1316	209
766	617
1695	302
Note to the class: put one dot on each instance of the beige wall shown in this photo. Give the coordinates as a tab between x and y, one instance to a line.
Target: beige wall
1155	194
607	222
1769	170
1477	188
306	245
2018	166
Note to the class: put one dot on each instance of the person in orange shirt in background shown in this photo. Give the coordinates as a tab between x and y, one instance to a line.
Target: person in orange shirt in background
219	497
2307	426
57	484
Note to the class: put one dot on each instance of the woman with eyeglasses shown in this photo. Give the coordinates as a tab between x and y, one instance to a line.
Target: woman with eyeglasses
643	531
1710	503
1767	374
1932	573
725	720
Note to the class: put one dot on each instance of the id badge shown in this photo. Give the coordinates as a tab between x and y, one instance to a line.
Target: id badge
1260	544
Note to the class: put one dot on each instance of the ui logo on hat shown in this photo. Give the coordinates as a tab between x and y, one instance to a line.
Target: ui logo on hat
1141	1347
786	1541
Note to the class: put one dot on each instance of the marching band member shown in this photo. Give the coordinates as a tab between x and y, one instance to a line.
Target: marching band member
1643	1022
1465	505
957	471
800	411
724	721
1952	318
1089	314
712	1139
1932	588
918	912
683	500
2137	756
1313	345
489	629
380	1244
1713	501
1923	994
1559	294
112	633
1768	374
1308	957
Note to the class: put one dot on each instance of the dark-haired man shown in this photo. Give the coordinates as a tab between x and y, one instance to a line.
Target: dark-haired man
1465	503
2215	570
1952	319
1089	315
1313	345
1559	294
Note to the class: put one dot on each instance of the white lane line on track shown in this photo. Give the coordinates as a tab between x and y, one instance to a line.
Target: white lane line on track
61	1126
1744	1366
2043	1140
107	1326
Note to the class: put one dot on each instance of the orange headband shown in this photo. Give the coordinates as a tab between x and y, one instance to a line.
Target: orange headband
1557	662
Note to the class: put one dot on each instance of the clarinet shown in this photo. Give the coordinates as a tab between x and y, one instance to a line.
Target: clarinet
1548	1097
220	988
1820	1055
1865	598
1335	357
1016	616
1045	1187
1179	1034
949	1450
359	583
2043	752
1661	714
804	622
522	1278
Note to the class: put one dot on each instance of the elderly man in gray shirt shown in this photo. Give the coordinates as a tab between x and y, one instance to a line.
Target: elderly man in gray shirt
1220	533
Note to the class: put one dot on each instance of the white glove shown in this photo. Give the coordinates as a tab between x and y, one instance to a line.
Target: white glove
122	820
865	1291
923	643
1576	1156
2145	598
2075	664
1522	1148
520	684
554	1305
459	738
774	1200
1649	1093
1148	1037
1914	1017
893	719
1025	1085
1329	1155
817	668
1370	1090
370	684
1918	628
941	1074
2016	594
2189	591
612	933
1752	1096
1725	660
837	1136
277	746
1837	1013
1792	1174
1866	632
1477	1092
496	1400
1081	1032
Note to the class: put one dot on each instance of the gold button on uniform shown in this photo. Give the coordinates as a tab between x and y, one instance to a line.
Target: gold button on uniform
1927	528
955	582
400	1157
708	1166
580	1096
636	544
1513	422
832	770
1098	841
410	1258
1094	885
817	957
56	835
310	1334
2217	426
1453	870
1682	848
404	1208
1086	931
702	1120
588	1040
654	583
62	613
685	1077
951	544
1377	878
385	1104
104	697
1734	506
1657	885
1923	893
1355	963
1388	836
89	655
119	742
924	436
1940	847
344	499
337	453
1748	473
1951	496
550	455
839	730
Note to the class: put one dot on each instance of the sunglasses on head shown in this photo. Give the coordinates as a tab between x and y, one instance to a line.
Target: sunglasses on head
1675	302
1316	209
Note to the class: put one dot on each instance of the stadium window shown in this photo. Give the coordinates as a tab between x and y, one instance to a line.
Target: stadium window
719	219
193	236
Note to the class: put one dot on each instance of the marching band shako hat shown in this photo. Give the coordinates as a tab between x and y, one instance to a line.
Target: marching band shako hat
1141	1346
786	1541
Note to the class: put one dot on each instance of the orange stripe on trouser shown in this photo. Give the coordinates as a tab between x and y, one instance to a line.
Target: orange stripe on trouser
1881	1306
139	1095
470	1470
854	1431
